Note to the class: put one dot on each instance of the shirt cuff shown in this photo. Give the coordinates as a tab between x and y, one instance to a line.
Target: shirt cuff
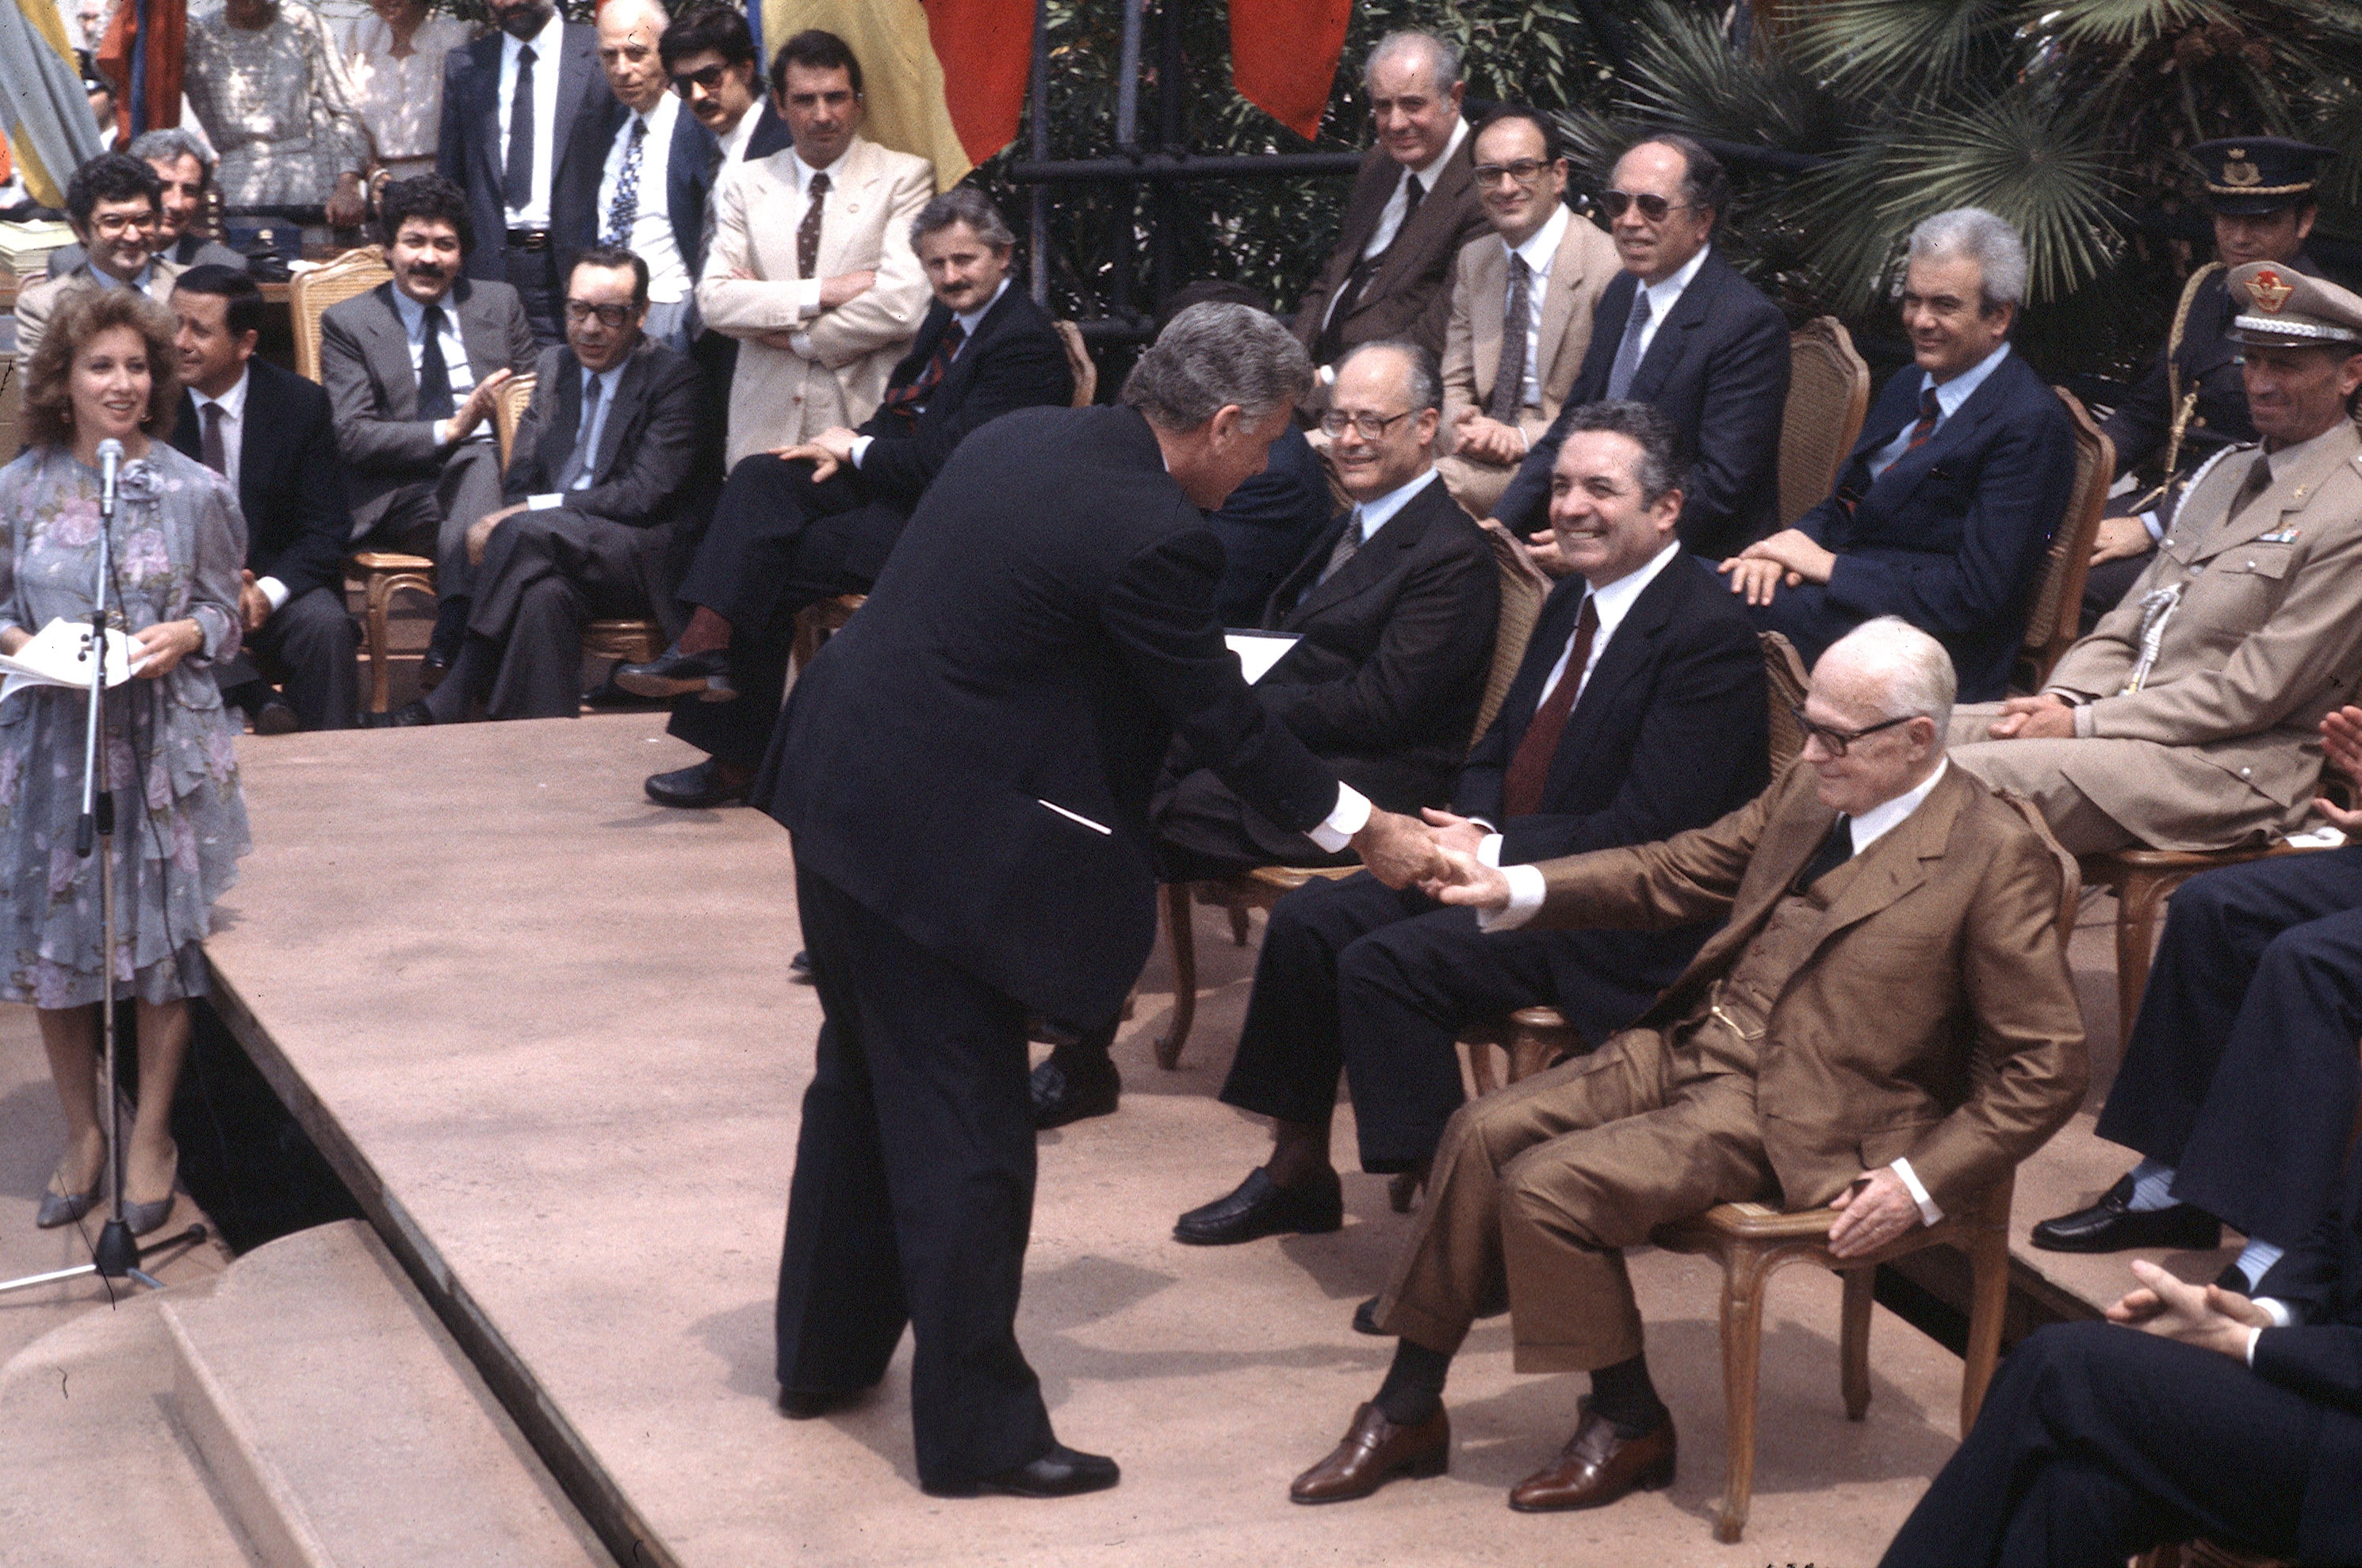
801	344
808	297
861	448
1348	816
274	590
1488	851
2084	718
546	500
2283	1316
1527	890
1927	1210
2156	527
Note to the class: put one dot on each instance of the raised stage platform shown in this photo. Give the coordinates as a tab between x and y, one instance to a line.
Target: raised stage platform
545	1031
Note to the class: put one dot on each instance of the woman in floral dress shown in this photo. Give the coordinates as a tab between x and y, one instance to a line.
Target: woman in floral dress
105	370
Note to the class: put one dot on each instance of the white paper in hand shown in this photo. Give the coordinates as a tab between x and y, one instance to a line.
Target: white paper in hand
60	656
1258	651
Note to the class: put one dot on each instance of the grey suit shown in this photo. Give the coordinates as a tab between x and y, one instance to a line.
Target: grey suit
409	489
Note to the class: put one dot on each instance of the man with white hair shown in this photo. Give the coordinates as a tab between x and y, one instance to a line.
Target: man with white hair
1413	206
1885	1024
1944	511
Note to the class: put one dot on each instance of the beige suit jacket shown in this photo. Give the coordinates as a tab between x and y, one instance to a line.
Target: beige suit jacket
39	303
1933	1016
778	396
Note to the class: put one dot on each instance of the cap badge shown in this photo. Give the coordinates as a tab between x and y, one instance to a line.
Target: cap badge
2237	171
2269	291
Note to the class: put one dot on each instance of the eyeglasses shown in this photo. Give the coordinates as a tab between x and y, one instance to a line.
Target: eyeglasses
1652	206
111	224
1836	741
709	78
1368	426
1524	171
608	314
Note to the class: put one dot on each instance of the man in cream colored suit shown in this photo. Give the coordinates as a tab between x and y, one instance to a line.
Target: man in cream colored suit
811	267
1531	290
2188	718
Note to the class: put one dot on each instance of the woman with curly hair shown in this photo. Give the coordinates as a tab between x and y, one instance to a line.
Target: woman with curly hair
105	371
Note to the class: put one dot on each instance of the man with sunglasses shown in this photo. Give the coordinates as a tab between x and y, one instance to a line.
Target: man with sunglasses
1884	1025
1683	331
115	204
708	60
603	468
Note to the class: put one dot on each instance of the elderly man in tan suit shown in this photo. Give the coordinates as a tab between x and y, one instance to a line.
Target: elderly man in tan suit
1521	308
811	267
2189	718
1885	1024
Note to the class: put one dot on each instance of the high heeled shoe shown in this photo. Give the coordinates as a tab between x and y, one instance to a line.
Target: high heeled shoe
142	1217
65	1208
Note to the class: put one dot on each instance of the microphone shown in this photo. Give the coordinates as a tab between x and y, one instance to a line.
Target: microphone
110	466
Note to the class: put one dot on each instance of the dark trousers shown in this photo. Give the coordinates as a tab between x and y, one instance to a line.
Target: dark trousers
2242	1071
431	516
778	542
545	575
2097	1442
913	1194
533	275
312	639
1355	977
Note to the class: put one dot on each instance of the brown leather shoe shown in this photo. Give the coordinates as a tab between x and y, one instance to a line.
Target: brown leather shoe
1374	1451
1596	1467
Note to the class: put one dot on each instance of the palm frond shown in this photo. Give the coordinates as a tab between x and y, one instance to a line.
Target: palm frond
2123	24
1687	75
1882	45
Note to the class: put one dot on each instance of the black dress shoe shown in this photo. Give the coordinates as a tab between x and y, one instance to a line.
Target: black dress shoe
408	716
800	967
1365	1318
799	1405
1260	1207
672	673
1061	1473
1061	1096
2110	1226
694	788
432	667
608	697
273	716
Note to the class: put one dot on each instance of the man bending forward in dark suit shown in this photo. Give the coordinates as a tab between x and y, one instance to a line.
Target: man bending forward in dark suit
1639	712
604	469
807	522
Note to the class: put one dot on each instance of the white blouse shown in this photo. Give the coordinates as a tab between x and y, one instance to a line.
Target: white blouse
400	100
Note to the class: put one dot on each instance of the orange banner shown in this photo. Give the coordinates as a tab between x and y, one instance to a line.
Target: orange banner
986	49
1284	57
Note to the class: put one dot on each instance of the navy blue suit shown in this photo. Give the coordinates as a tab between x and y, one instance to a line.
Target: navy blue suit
1718	368
1951	535
1266	525
2097	1442
1667	735
692	163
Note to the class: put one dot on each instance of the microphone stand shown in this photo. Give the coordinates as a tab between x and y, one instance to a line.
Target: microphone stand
117	1256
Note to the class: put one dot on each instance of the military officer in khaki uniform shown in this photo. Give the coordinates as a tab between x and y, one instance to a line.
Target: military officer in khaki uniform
2188	719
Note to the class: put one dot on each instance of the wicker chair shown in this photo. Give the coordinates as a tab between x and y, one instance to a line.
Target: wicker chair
1828	397
354	272
1521	603
2056	609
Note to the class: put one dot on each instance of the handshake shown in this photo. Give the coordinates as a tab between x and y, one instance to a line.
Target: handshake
1435	850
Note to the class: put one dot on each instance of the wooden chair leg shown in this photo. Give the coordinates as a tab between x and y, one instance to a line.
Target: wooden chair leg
1480	1065
1742	1362
373	616
1239	927
2136	904
1181	931
1854	1341
1988	1303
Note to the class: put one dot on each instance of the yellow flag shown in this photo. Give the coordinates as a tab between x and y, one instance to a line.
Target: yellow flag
902	81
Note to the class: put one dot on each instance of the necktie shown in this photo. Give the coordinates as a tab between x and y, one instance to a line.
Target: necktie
1521	789
1834	852
214	455
1930	412
1628	352
2259	480
517	178
624	211
1509	379
907	401
434	375
808	231
1348	542
1330	342
580	466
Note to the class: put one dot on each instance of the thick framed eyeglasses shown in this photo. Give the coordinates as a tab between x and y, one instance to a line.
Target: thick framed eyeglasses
1524	171
1836	741
1652	206
120	223
608	314
1368	426
709	78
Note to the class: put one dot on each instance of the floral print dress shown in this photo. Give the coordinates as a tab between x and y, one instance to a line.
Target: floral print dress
171	755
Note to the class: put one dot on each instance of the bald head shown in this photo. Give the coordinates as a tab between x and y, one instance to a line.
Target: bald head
628	35
1880	700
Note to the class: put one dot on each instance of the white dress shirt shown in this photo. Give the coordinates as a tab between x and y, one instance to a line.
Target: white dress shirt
1539	251
548	51
1377	514
1391	215
613	377
1949	396
455	351
651	235
232	404
968	321
734	146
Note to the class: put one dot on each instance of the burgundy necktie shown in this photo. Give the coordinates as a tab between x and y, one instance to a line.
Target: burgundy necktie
216	456
1521	791
907	401
1930	412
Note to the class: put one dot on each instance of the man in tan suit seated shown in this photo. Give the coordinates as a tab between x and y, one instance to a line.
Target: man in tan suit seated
1522	306
811	267
2188	718
1886	1025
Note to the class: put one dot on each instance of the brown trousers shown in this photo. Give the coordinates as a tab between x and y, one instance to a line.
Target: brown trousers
1536	1189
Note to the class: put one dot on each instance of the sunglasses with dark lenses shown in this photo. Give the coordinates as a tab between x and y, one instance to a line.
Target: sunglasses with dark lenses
1835	741
709	78
608	314
1652	206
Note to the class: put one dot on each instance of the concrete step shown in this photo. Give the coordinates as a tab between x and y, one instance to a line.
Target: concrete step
342	1425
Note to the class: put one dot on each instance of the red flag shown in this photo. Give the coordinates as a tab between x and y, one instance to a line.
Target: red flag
1284	57
987	51
167	48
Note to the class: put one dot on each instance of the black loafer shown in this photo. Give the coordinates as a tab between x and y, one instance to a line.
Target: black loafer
273	716
798	1405
1061	1096
1365	1318
432	667
800	967
1061	1473
694	788
2110	1226
410	715
1260	1207
672	673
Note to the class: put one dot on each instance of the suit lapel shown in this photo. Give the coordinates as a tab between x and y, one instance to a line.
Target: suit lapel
623	408
1625	652
1377	556
188	431
1665	348
578	58
1299	581
261	421
390	342
487	349
1551	629
848	194
2290	493
565	419
1488	304
1566	276
486	52
1893	487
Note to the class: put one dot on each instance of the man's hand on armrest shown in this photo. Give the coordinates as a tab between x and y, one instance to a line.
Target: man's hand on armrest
1875	1211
